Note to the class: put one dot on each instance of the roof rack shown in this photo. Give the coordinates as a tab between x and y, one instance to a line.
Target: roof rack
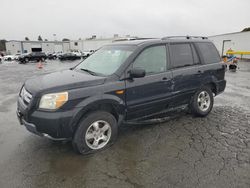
131	38
185	37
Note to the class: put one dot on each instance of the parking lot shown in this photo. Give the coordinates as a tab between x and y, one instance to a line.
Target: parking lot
182	152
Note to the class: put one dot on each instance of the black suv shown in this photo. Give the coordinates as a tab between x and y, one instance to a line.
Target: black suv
121	82
33	56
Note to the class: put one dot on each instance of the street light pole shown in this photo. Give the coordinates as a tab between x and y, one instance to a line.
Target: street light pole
223	44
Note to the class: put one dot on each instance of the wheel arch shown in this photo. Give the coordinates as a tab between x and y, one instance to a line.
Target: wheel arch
111	104
212	84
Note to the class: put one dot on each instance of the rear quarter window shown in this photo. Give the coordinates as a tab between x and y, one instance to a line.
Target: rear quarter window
181	55
209	52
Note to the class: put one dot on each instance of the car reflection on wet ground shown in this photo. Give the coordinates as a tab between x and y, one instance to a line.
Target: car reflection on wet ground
182	152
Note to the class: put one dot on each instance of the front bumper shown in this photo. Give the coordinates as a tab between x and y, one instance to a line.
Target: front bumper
55	125
32	128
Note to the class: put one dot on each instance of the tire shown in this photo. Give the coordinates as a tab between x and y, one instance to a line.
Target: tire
202	102
26	60
89	126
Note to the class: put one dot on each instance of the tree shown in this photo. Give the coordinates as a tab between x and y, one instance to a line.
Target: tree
65	40
26	38
2	45
40	38
246	29
45	39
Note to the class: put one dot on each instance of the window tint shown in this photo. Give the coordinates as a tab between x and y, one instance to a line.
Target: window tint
181	55
209	52
152	60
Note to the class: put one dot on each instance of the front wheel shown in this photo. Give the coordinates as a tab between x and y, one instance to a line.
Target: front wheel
95	132
202	102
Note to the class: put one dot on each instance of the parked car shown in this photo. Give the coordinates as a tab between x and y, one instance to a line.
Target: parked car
79	54
16	57
9	57
33	56
69	56
119	83
52	56
87	53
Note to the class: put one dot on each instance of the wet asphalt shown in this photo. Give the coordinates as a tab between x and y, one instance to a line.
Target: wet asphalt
183	152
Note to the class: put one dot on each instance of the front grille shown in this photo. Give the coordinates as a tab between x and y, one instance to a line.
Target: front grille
25	96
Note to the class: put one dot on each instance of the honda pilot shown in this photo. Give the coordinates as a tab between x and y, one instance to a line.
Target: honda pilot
121	82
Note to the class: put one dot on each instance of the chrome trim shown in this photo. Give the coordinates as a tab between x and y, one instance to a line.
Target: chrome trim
52	138
25	95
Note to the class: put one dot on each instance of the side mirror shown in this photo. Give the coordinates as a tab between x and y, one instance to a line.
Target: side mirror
137	73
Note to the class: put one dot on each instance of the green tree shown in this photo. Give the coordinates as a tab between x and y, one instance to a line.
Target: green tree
40	38
26	38
65	39
246	29
2	45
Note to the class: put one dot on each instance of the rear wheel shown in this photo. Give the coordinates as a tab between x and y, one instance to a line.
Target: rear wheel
202	102
95	132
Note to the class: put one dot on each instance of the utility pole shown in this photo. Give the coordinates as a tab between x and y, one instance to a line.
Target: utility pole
223	44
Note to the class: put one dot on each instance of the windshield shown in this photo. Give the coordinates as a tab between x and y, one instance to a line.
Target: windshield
106	60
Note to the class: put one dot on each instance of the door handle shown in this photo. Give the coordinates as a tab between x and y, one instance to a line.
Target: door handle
164	79
199	72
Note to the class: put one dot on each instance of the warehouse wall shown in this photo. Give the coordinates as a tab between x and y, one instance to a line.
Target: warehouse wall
87	45
26	47
13	47
66	47
76	45
95	44
239	42
48	47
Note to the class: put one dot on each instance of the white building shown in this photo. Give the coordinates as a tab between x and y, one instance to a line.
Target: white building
95	43
238	41
14	47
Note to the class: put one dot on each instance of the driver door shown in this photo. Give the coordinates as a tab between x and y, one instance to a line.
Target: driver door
151	93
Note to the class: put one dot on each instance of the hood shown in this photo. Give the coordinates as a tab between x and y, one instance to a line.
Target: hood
61	81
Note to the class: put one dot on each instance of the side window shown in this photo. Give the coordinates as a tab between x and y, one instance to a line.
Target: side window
209	52
181	55
153	60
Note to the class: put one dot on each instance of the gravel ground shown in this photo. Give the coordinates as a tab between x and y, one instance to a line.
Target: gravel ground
182	152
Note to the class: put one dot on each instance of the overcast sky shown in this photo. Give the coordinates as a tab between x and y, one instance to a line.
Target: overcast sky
75	19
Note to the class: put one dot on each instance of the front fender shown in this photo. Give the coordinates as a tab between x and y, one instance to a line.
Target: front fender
87	104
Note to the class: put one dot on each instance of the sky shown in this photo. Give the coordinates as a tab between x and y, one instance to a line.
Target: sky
76	19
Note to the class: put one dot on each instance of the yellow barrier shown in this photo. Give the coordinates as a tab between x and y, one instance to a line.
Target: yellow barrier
238	52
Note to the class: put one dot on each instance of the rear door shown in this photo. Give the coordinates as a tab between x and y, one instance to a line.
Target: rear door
211	69
149	94
185	67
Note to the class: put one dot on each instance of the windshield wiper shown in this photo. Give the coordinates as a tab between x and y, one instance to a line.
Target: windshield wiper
90	72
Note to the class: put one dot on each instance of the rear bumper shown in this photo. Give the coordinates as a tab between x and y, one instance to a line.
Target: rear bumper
221	85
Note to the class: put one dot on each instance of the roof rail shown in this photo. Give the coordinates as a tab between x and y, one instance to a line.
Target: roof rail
185	37
131	38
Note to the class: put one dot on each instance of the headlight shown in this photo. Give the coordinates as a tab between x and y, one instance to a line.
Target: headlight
53	101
